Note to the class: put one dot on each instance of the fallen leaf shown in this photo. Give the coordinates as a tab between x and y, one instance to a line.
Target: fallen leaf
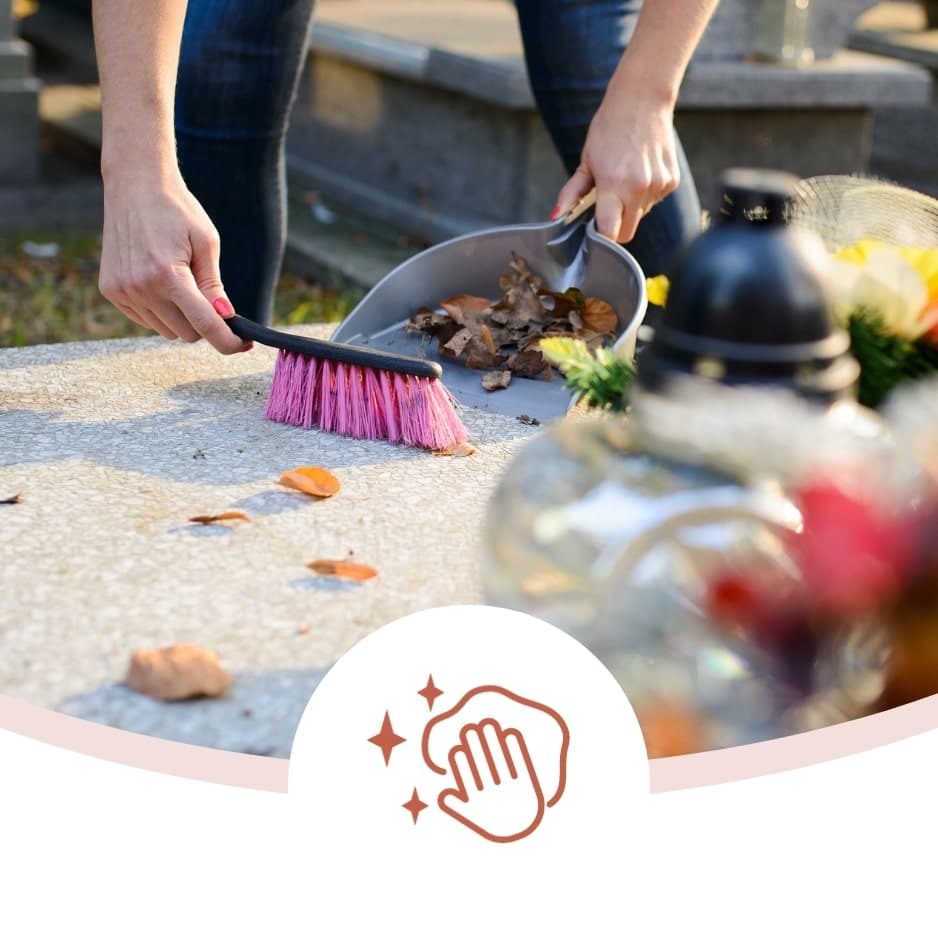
179	672
464	307
12	500
599	316
224	516
312	480
528	364
496	380
521	303
461	449
479	357
529	421
344	569
426	320
486	335
457	344
564	303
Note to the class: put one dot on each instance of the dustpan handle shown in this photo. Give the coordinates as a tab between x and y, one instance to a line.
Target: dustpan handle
581	208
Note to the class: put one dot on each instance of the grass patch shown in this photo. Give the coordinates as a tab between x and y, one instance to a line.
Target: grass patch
56	299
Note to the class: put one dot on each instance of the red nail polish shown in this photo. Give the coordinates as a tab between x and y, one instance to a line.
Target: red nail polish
247	347
555	214
223	308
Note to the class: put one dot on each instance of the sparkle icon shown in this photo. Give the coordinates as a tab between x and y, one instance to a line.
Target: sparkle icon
415	805
430	692
387	739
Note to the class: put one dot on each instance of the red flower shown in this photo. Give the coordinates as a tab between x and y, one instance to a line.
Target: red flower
851	555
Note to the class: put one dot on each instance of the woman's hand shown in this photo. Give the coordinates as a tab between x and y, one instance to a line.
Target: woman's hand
160	259
630	158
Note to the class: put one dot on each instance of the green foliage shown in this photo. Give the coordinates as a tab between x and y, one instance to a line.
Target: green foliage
886	360
601	377
56	298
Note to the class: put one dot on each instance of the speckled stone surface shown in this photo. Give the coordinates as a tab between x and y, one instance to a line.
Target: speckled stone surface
114	445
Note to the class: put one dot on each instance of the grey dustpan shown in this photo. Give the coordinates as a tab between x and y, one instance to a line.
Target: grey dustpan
563	254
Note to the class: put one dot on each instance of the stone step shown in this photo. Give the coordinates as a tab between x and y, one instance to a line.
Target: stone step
905	140
442	133
418	114
324	242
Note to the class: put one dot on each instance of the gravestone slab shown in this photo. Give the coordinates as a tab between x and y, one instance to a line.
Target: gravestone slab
733	32
114	445
388	127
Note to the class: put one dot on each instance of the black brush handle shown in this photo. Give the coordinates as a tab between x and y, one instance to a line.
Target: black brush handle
251	331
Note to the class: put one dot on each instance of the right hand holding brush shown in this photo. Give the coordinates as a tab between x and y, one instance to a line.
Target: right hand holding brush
160	260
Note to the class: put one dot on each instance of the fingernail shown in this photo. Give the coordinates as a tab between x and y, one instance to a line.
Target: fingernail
223	308
555	214
247	347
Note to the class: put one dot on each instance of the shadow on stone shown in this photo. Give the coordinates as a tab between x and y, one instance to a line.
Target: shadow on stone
271	503
258	716
203	530
217	434
326	584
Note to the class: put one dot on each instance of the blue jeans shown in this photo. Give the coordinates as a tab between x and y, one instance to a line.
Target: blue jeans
239	68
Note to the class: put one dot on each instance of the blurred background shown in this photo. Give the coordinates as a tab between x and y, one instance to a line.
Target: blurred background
415	122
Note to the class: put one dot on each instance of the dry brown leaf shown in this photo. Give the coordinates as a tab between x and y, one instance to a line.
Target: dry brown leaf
224	516
12	500
457	344
479	358
486	335
344	569
496	380
599	316
464	306
563	303
460	449
528	364
179	672
522	304
426	320
312	480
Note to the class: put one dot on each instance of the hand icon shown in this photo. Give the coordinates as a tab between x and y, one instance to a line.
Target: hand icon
497	793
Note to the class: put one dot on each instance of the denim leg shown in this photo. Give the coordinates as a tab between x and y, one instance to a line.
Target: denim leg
239	68
572	47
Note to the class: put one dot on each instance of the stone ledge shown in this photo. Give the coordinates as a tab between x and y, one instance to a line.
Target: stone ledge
849	79
16	59
19	126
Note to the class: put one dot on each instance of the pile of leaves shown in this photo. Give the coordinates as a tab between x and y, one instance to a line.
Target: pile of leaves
503	337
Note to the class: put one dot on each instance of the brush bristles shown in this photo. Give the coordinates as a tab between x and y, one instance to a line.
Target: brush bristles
363	403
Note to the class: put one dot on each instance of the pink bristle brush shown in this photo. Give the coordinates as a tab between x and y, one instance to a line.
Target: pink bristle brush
356	392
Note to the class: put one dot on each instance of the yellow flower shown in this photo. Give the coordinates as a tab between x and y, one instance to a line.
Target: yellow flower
658	288
898	284
859	254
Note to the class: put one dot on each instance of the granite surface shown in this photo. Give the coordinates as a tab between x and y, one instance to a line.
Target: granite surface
114	445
